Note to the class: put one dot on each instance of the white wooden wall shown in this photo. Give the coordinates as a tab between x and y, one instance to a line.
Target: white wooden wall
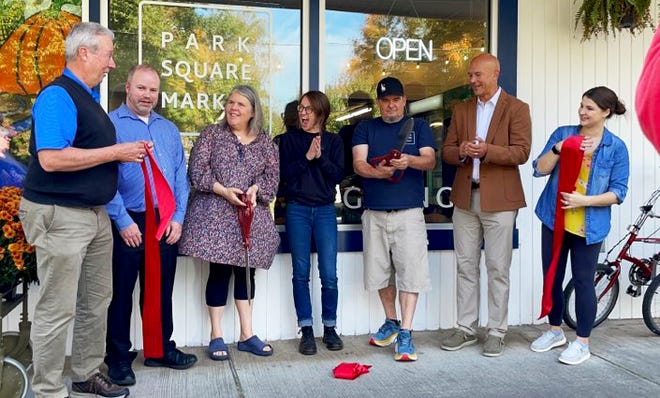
554	69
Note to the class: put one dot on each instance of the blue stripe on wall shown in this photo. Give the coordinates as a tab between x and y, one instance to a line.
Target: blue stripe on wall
351	241
507	47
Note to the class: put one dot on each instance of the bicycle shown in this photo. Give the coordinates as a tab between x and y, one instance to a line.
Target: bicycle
642	271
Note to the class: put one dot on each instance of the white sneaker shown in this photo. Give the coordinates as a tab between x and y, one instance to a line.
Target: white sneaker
575	354
548	341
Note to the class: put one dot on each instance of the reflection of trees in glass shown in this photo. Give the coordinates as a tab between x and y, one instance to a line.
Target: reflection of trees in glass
454	44
198	108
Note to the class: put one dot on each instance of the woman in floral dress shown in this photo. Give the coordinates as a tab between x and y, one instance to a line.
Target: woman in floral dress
230	158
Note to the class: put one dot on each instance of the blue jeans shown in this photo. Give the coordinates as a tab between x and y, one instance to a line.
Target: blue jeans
304	223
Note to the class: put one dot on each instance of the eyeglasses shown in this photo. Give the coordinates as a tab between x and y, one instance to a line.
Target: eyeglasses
305	109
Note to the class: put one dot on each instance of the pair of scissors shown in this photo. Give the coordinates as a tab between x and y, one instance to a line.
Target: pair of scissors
402	136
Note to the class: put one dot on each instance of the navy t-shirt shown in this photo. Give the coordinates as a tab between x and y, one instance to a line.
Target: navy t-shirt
382	137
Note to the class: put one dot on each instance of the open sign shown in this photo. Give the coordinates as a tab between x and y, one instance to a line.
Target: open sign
408	49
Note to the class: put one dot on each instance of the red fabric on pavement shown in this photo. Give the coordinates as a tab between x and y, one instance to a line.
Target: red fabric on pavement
350	371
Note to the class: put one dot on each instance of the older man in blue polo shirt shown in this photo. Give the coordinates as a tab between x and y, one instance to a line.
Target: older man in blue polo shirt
136	120
71	176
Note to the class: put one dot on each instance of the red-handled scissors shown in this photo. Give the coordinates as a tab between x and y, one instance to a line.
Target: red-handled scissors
404	132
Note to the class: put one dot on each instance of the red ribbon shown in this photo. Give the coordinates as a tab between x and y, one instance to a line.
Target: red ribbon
152	323
350	371
648	90
570	162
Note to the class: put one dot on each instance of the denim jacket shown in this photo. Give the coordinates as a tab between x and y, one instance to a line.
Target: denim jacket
609	173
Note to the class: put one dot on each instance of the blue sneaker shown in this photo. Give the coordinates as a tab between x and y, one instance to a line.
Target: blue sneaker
404	350
387	333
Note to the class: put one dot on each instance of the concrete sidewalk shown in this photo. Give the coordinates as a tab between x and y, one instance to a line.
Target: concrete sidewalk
625	362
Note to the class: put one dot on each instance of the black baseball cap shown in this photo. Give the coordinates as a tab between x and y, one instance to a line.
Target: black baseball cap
389	86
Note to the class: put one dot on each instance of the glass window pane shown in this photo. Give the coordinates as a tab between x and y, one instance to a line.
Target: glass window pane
203	50
425	44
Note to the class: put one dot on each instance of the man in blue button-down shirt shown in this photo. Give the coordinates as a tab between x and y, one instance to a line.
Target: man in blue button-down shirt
136	118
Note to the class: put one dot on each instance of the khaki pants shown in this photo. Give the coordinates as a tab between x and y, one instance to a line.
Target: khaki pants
74	264
495	230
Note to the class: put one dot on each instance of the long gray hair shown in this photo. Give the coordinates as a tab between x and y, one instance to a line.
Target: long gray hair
256	124
85	34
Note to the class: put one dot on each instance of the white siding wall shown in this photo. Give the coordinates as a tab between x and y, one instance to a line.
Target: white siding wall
554	69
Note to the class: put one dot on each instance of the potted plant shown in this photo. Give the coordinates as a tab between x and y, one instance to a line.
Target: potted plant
604	16
18	260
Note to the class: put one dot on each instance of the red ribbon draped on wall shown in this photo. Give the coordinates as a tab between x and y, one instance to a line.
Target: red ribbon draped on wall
570	162
152	329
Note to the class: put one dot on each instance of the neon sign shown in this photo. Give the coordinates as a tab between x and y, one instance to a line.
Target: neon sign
404	49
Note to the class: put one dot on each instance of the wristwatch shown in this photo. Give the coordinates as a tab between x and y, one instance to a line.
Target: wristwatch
555	150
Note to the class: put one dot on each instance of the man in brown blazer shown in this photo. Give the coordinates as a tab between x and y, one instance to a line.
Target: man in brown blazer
488	138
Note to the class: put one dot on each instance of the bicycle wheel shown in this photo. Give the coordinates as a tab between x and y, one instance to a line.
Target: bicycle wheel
651	306
14	383
605	304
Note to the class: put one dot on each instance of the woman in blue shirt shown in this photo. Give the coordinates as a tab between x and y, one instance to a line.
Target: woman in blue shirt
311	166
602	181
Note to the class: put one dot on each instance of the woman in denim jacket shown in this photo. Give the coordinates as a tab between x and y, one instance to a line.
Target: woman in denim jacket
602	182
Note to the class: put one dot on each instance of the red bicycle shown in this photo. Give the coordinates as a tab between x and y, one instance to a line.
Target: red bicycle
642	271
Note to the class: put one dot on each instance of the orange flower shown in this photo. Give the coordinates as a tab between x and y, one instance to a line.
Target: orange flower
17	257
8	231
4	215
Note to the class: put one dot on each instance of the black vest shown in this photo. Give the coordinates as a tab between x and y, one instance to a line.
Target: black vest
94	186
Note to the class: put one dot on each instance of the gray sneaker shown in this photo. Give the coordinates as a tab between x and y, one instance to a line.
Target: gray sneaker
494	346
457	340
575	354
548	341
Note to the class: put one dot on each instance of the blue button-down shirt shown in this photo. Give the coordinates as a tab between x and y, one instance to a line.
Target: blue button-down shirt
610	168
56	115
168	151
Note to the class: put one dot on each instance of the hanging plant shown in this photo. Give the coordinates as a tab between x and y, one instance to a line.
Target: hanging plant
610	16
33	54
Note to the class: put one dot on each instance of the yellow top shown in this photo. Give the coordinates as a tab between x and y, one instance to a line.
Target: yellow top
574	221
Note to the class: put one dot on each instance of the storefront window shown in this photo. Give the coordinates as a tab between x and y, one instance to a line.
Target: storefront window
202	50
426	45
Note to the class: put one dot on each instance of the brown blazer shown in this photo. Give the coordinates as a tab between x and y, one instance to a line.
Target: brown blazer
509	141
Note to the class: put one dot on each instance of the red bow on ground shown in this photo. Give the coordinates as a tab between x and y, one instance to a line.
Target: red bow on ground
152	329
350	371
570	162
648	91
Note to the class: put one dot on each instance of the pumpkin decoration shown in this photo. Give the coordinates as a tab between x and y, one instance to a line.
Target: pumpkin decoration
33	55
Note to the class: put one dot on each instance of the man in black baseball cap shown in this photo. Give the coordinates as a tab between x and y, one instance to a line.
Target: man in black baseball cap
389	86
393	212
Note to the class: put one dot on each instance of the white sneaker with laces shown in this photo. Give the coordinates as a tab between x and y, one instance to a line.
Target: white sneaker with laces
575	354
548	341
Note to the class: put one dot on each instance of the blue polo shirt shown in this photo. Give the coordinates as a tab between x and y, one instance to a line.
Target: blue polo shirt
169	154
57	115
